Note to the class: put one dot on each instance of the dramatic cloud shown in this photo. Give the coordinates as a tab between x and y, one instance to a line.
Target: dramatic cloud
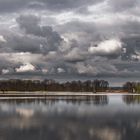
12	5
2	39
60	5
60	70
110	47
31	25
68	38
25	68
123	4
54	5
5	71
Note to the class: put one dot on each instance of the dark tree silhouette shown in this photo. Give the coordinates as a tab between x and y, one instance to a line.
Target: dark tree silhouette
52	85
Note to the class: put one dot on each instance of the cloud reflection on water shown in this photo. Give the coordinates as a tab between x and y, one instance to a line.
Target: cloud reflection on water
66	120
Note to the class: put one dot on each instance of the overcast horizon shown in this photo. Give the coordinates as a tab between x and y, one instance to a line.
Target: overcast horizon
68	39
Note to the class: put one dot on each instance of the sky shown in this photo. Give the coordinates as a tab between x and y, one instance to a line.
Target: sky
70	39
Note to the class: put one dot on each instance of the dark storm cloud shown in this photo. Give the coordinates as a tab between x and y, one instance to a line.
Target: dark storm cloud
132	45
79	26
25	43
30	24
129	27
12	5
62	5
68	4
52	5
122	5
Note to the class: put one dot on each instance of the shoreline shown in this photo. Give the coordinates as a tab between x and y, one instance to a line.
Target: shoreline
10	95
58	93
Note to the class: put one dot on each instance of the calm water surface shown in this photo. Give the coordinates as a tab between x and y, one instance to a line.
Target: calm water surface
97	118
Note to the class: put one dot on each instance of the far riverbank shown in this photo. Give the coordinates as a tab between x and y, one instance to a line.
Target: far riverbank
56	95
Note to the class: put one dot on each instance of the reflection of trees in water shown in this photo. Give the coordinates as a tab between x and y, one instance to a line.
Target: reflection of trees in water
100	100
131	99
63	127
96	100
92	124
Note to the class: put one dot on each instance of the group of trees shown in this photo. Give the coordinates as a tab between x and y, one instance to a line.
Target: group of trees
94	86
74	86
132	87
52	85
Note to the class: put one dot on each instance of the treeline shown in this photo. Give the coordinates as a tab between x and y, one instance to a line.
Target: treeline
52	85
132	87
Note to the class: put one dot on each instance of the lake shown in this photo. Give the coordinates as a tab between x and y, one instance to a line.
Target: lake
104	117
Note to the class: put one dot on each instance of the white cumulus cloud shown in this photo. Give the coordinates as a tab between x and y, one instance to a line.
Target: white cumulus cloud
2	39
25	68
107	47
60	70
5	71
